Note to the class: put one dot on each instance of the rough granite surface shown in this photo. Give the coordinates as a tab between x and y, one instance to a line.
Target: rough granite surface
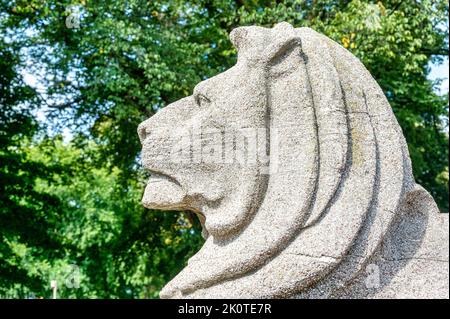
300	175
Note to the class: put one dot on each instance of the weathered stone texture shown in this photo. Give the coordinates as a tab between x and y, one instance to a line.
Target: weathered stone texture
300	174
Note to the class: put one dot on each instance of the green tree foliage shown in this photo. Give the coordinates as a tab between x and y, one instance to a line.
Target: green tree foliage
130	58
24	223
121	250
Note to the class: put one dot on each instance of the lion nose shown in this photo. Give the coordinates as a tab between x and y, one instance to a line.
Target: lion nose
142	130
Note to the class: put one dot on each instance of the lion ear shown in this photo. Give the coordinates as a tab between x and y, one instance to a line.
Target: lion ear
280	49
238	37
284	58
257	44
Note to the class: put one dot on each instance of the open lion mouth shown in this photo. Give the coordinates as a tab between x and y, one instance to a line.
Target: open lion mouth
163	192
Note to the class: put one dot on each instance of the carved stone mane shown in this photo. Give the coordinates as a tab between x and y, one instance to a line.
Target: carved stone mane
301	177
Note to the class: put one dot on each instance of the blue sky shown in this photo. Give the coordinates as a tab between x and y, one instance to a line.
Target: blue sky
440	71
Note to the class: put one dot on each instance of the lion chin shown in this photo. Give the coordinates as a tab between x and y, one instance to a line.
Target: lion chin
328	199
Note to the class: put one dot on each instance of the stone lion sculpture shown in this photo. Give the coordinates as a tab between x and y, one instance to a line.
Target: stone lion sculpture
300	175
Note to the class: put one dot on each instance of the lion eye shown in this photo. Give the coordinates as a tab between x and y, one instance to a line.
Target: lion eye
202	100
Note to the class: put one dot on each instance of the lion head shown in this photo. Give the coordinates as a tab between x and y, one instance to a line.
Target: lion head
292	159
